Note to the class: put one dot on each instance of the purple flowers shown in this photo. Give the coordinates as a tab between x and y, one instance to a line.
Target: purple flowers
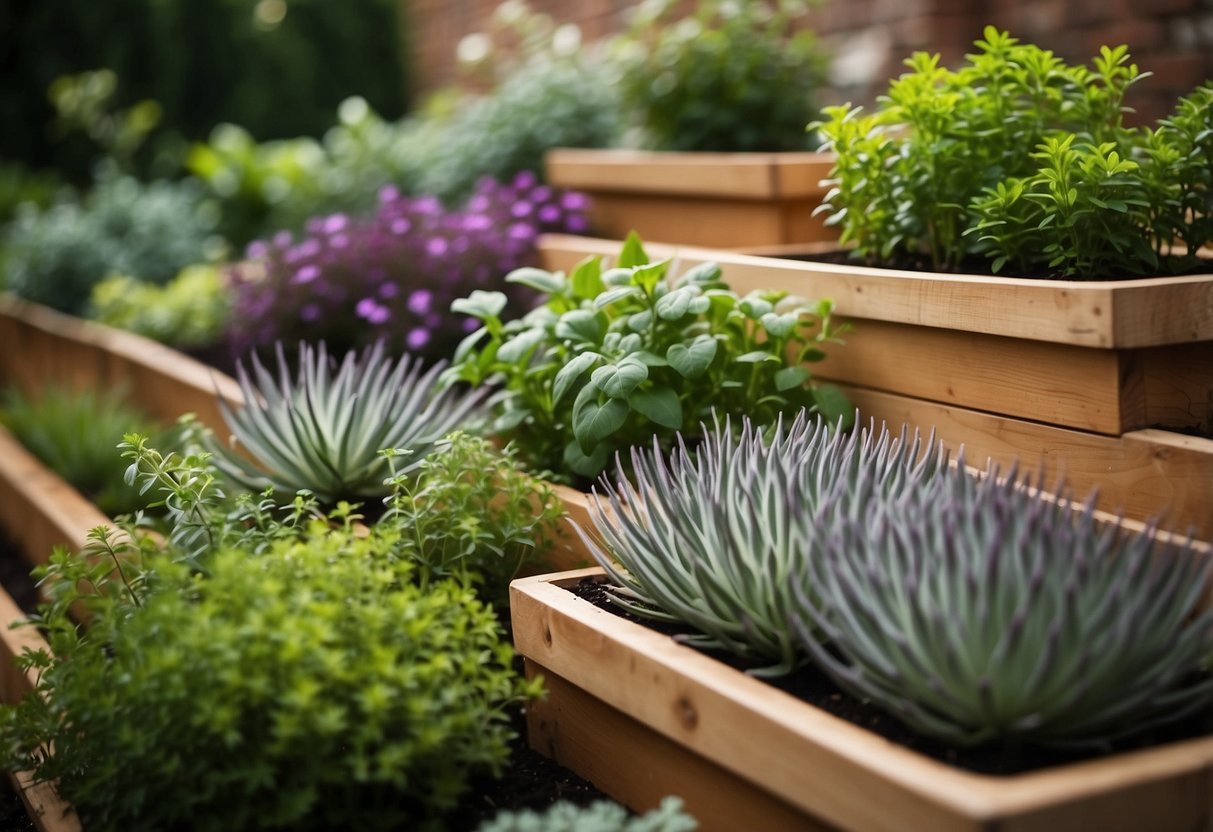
351	281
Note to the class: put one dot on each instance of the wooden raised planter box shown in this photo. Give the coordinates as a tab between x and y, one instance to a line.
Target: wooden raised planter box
1097	380
643	716
729	200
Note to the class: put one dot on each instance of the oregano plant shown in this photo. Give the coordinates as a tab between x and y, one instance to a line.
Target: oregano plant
1022	162
613	358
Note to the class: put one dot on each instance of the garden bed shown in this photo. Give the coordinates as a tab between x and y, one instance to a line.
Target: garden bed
746	755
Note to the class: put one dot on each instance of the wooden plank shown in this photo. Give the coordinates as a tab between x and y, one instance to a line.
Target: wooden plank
1177	383
1124	314
752	176
1061	384
1143	474
827	767
639	767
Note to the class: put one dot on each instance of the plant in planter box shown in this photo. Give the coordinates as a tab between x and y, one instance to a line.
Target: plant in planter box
317	685
613	358
391	277
730	77
76	433
603	816
323	430
976	609
1022	161
188	312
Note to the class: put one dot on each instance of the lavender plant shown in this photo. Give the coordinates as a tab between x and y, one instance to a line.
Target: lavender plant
716	539
323	430
974	610
392	277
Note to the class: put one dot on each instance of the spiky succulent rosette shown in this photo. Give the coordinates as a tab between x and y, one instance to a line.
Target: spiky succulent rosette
714	538
322	430
978	610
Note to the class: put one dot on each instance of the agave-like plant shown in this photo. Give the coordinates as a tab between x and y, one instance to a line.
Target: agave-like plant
322	431
980	610
715	538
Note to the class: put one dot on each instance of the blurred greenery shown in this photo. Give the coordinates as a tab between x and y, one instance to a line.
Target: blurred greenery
277	67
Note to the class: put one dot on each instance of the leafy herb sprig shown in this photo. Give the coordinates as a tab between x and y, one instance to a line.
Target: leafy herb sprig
615	357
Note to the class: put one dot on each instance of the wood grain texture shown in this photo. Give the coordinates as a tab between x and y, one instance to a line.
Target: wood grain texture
1124	314
40	346
829	769
1144	474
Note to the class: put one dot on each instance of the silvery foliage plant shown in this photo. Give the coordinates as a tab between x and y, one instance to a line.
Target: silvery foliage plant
716	537
323	429
975	609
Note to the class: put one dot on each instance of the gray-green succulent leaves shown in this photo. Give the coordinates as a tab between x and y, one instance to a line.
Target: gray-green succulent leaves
973	607
716	538
323	430
975	610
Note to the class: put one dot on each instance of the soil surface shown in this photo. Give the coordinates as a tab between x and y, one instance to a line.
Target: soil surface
814	687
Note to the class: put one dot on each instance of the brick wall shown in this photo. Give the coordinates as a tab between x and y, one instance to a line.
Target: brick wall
1173	39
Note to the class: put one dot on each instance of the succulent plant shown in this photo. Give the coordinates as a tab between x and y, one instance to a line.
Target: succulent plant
323	431
976	610
716	538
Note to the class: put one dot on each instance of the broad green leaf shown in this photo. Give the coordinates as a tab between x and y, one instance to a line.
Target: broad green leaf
572	371
632	254
581	325
594	421
754	307
693	360
618	380
703	273
467	344
509	420
615	295
480	304
790	377
640	321
650	359
518	349
754	357
647	277
587	278
587	466
617	277
552	283
780	326
660	405
676	304
834	405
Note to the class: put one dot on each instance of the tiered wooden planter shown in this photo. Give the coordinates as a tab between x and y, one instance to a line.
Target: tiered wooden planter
727	200
39	346
1094	380
38	511
643	716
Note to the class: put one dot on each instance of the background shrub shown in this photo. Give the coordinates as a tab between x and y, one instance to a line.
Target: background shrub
350	282
188	312
123	226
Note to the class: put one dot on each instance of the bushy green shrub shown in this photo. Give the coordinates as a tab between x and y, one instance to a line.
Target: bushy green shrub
76	434
1024	161
190	311
151	231
612	358
315	686
731	77
602	816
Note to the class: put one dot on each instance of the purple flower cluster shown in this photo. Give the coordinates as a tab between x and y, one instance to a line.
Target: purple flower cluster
393	276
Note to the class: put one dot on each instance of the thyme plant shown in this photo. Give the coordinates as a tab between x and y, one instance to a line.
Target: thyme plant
1022	161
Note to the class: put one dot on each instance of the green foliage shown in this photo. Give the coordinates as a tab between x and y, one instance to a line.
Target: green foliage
732	77
323	430
315	686
976	611
189	311
717	538
602	816
84	103
151	231
76	434
1023	160
469	511
19	184
613	358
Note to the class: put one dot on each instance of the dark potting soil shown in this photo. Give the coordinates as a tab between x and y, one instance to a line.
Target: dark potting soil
817	689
